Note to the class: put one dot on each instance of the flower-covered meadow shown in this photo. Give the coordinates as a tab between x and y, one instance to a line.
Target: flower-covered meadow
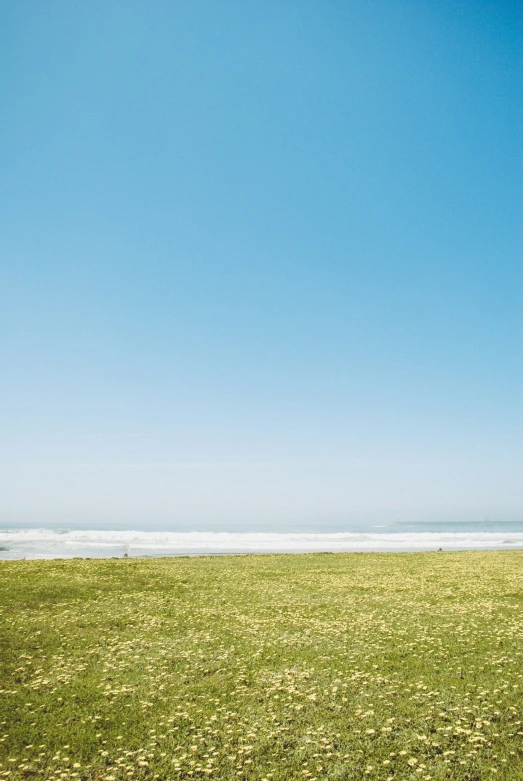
323	666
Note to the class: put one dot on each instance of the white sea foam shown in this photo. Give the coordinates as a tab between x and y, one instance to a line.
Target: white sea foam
46	543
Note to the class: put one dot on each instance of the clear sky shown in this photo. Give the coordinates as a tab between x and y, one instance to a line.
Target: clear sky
261	262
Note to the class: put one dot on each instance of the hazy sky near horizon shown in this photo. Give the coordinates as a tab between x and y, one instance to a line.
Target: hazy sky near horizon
261	263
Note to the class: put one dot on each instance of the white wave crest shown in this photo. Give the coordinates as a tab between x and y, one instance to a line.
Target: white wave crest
46	543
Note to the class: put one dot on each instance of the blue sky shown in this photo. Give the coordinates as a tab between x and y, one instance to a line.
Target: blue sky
261	263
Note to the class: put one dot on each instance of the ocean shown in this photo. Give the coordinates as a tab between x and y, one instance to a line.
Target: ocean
105	543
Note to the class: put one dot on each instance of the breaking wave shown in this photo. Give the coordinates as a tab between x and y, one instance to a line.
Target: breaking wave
47	543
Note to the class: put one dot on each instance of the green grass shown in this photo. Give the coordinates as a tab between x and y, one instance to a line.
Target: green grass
345	666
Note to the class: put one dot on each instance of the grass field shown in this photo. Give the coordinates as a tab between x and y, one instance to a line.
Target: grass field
338	666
